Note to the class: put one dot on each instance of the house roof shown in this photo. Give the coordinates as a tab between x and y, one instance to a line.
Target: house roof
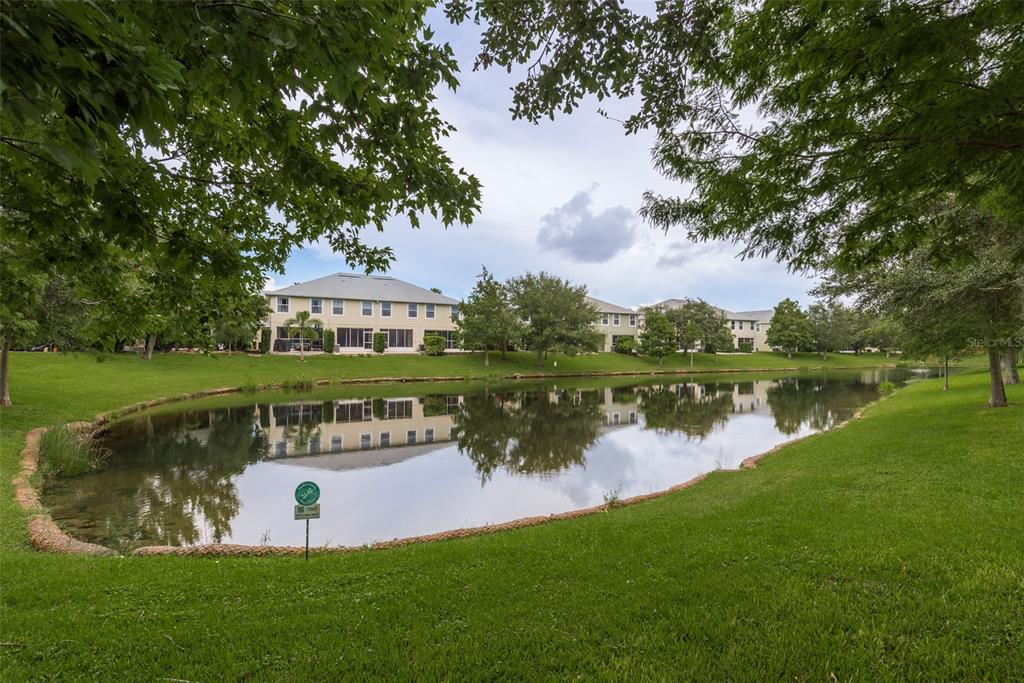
762	316
364	288
605	307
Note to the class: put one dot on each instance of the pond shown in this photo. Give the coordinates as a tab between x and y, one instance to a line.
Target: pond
404	460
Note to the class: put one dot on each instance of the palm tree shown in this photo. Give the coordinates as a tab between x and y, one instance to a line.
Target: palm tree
302	326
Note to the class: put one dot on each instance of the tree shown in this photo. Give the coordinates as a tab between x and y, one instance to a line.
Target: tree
831	326
698	321
857	100
486	320
947	307
555	313
237	328
658	337
790	329
303	326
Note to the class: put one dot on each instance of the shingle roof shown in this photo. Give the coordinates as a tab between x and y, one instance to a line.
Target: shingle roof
605	307
762	316
364	288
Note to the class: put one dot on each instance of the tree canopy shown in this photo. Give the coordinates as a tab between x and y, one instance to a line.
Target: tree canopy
790	329
486	320
658	337
867	113
555	313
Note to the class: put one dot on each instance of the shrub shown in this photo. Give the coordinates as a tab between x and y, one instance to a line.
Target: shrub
886	388
66	453
265	340
625	345
433	345
328	340
380	342
746	347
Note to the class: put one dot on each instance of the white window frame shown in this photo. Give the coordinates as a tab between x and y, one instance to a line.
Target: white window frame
338	442
282	304
337	307
632	319
430	312
410	437
428	435
616	320
604	319
315	304
363	307
385	309
413	311
368	439
732	324
382	437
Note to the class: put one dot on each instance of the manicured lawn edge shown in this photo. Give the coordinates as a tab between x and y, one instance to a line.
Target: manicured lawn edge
45	535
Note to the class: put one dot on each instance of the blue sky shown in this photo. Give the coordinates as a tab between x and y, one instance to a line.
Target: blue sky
560	196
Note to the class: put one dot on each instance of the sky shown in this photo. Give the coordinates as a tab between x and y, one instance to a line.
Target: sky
561	196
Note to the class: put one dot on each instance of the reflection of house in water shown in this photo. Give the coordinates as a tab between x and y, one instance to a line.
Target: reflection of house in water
341	426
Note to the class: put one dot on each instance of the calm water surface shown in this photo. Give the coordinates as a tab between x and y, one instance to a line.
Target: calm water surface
419	463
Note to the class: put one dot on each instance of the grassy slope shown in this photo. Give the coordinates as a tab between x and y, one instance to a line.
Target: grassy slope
890	548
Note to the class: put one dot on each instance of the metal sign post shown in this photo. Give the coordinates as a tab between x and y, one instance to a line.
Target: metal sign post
306	495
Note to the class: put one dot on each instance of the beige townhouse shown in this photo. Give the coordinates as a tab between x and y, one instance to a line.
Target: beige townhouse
746	327
356	306
615	322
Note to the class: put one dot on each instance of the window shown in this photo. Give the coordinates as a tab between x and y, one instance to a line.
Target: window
338	306
732	324
757	327
314	445
282	333
616	320
385	309
316	305
282	304
632	320
604	319
353	411
428	435
365	441
337	444
281	449
414	310
410	437
430	310
385	439
398	409
367	308
741	325
399	339
455	312
632	417
615	418
353	337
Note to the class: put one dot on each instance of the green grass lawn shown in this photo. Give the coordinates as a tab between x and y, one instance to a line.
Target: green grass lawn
891	548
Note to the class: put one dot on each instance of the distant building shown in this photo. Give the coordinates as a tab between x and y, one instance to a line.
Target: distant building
356	306
747	327
615	322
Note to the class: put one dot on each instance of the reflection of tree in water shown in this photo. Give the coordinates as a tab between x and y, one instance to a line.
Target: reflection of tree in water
180	467
526	433
685	408
820	402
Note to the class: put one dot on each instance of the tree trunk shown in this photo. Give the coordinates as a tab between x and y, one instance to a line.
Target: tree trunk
540	358
661	360
691	359
1010	374
150	345
487	358
5	394
789	354
945	372
997	392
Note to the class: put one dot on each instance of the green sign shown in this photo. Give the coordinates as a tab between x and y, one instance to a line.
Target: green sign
307	493
307	511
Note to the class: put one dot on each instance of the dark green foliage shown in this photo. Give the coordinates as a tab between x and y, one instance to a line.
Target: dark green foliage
265	340
433	345
380	342
328	340
626	345
658	337
790	329
487	320
556	312
699	323
861	101
746	347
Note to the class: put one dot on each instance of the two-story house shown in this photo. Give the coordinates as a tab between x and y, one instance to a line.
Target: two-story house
356	306
615	322
746	327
